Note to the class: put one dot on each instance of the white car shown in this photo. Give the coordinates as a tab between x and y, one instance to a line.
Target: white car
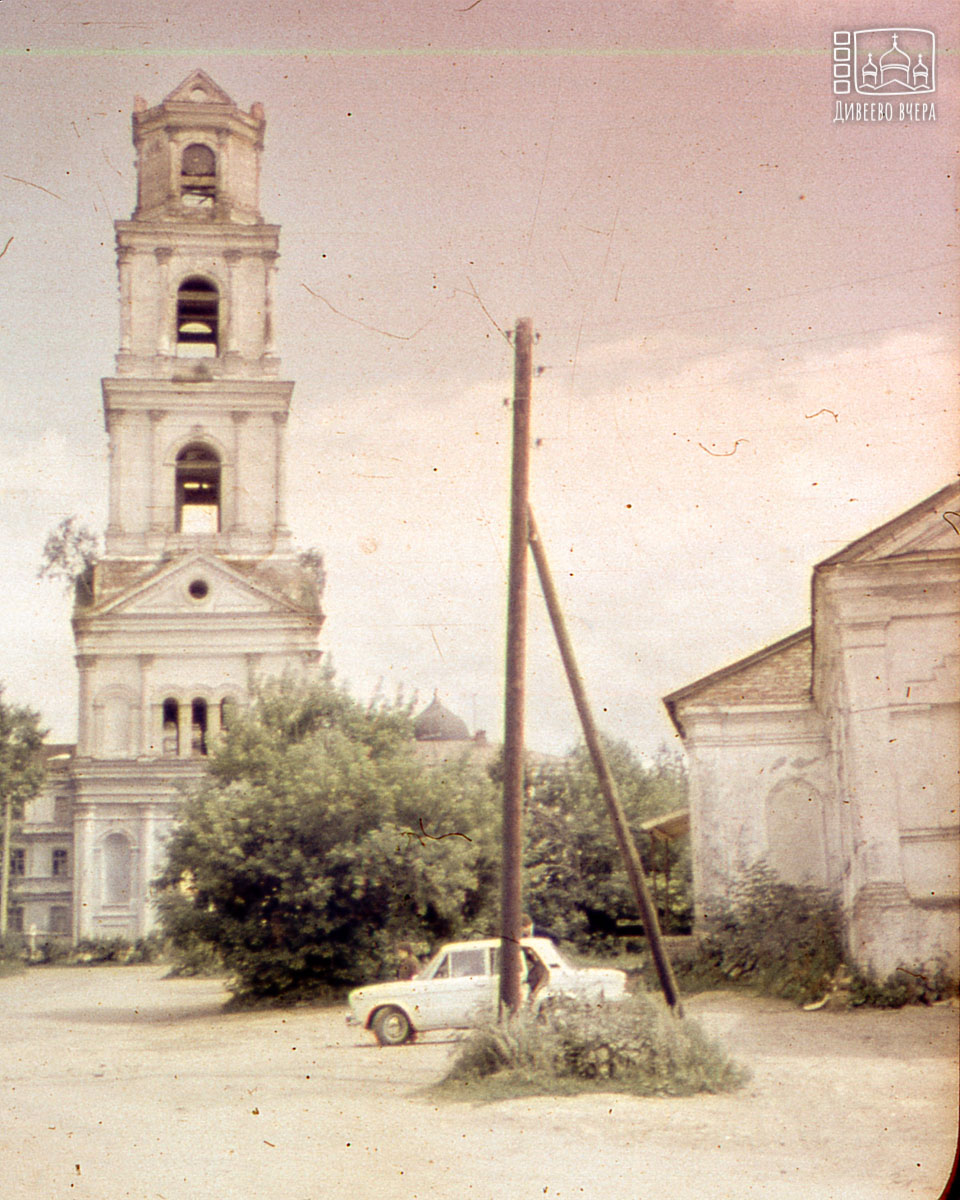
460	986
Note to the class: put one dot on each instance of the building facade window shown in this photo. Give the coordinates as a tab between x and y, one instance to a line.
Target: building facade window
61	810
198	727
59	921
18	861
60	862
198	176
198	318
197	499
171	728
15	919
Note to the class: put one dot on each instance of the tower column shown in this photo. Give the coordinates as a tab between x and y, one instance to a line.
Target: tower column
165	315
114	465
269	271
126	300
228	305
279	473
213	722
155	746
145	662
239	419
184	728
156	471
85	663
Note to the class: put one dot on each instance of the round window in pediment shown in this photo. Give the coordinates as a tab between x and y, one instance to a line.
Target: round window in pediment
199	589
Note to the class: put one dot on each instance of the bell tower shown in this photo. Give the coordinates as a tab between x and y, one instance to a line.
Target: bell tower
196	411
200	591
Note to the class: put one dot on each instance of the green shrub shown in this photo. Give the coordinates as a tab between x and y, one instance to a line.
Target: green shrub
116	951
636	1046
778	938
783	940
902	987
13	951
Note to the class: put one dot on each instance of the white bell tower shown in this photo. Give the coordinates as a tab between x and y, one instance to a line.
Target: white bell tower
200	592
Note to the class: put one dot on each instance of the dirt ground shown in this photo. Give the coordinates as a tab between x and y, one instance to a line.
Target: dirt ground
119	1083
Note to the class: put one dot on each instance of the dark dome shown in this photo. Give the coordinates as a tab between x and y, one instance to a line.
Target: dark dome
439	724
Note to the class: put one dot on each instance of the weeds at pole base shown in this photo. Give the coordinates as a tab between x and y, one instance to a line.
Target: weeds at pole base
636	1046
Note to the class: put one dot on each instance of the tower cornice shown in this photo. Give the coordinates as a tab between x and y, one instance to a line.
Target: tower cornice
159	397
189	234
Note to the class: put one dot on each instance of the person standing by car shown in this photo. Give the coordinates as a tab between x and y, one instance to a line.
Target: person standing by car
408	964
529	928
537	973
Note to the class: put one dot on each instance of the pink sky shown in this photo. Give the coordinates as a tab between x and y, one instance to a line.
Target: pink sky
710	260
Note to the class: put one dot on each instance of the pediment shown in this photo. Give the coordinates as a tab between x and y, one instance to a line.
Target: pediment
928	528
198	88
776	675
199	584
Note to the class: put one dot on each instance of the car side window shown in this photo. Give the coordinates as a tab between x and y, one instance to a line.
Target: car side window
443	968
468	962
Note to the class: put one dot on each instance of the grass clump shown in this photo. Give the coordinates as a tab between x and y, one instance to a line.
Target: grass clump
636	1046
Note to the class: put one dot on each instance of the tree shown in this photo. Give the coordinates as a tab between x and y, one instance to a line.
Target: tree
576	884
318	840
22	770
70	553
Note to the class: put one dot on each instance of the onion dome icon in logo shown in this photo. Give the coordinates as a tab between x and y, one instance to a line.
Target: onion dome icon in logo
884	62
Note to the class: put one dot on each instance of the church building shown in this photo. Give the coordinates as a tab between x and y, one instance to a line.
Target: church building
833	756
199	592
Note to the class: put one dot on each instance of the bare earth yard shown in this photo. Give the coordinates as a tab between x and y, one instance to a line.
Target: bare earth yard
118	1083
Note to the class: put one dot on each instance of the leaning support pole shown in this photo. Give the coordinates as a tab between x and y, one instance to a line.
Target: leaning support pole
511	913
608	787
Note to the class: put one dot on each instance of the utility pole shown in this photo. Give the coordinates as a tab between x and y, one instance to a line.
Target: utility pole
511	906
608	787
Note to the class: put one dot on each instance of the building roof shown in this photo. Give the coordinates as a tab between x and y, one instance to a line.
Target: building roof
925	527
777	674
782	673
438	724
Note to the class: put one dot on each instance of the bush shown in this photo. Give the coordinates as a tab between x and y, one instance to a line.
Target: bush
778	938
636	1046
116	951
784	940
13	949
902	987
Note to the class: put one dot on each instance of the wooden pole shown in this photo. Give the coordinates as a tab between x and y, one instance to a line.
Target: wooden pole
5	866
511	906
608	787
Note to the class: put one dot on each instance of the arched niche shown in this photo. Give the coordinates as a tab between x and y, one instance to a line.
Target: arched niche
117	859
796	841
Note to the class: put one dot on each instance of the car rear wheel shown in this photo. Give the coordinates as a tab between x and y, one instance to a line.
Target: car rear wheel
391	1027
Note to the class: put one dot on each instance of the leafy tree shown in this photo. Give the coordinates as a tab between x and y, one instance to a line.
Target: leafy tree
318	840
69	554
22	770
575	882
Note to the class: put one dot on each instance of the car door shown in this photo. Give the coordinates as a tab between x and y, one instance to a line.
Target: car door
459	990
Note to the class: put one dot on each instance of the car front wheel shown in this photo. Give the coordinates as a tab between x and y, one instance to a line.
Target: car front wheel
391	1027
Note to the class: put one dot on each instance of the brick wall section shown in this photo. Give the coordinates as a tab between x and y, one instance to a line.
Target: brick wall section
782	677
